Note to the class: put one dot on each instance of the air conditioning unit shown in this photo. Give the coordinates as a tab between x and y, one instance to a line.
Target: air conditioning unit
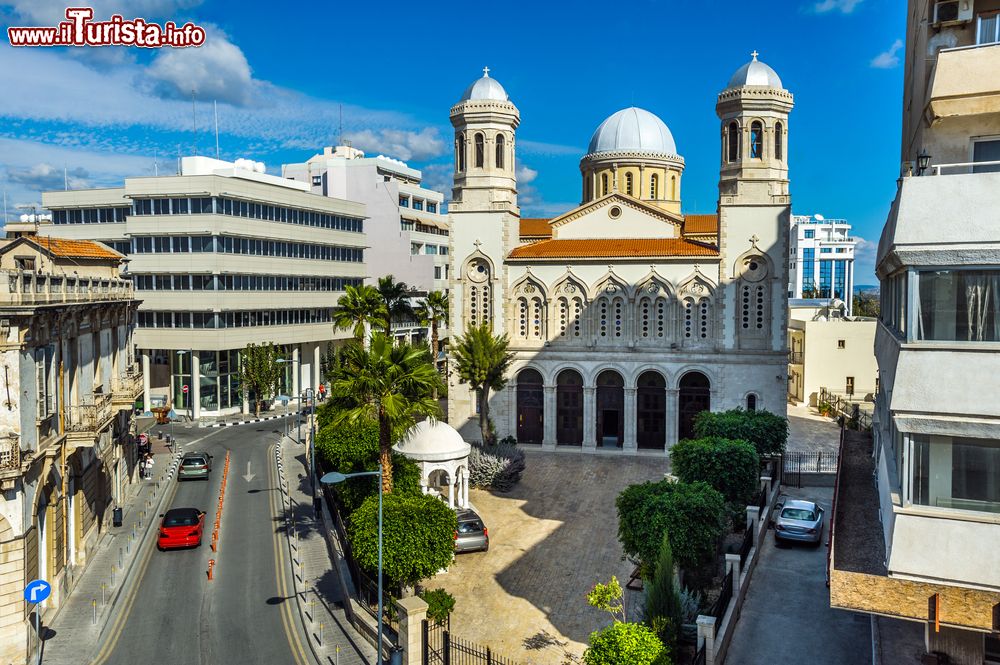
951	12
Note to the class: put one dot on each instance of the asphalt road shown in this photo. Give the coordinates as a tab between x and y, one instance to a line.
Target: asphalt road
241	616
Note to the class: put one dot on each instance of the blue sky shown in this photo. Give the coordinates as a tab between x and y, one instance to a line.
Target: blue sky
281	76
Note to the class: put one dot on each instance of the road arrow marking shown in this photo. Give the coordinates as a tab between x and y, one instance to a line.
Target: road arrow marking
249	476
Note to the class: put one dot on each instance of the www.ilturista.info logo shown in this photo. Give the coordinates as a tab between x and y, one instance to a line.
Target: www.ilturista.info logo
80	30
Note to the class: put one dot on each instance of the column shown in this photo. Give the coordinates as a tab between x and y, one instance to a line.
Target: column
194	390
412	612
465	487
317	373
673	415
511	410
451	490
706	637
145	381
549	414
630	445
296	373
590	417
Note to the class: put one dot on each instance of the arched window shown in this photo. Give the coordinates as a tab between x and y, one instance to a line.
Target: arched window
479	303
628	184
654	187
751	402
756	140
778	141
604	184
652	318
461	152
697	319
570	313
480	152
529	318
733	142
499	151
610	319
673	188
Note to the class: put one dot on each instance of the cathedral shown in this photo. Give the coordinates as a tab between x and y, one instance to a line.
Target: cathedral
626	316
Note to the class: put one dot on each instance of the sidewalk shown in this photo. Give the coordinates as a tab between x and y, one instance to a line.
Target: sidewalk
72	636
320	597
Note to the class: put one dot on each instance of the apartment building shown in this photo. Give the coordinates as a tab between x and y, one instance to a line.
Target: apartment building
931	556
821	259
67	445
222	255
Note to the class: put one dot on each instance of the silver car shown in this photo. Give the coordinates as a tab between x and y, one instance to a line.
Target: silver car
472	535
798	520
195	465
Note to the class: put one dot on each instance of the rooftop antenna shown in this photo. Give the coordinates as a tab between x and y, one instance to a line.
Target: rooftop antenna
65	178
156	169
194	125
215	108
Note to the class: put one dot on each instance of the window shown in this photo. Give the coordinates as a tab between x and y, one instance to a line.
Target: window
841	344
751	402
431	249
733	142
460	149
499	151
986	151
958	305
432	207
778	141
756	140
404	202
809	233
480	151
654	187
628	184
317	180
437	272
956	473
825	279
988	28
414	248
604	184
825	250
418	204
841	250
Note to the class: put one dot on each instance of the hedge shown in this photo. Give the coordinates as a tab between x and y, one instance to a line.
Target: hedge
766	431
730	466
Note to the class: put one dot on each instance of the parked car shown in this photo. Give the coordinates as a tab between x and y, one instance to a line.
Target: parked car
181	527
194	465
798	520
471	535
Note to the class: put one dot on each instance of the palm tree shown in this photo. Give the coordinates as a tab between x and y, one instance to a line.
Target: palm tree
482	360
360	306
388	384
395	299
433	311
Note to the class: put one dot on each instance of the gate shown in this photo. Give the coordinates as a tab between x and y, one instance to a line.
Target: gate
441	648
435	642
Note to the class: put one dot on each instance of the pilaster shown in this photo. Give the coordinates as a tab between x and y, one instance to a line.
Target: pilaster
589	417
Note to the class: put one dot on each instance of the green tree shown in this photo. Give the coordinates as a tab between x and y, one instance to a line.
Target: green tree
732	467
867	303
608	598
259	372
440	605
433	311
482	360
625	644
387	384
766	431
418	536
360	306
663	602
693	514
395	301
354	447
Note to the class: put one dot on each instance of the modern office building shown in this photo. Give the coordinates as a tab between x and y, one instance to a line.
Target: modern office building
67	450
821	259
923	543
222	255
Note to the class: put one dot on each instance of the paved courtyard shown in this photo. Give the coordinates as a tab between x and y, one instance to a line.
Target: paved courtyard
809	432
551	539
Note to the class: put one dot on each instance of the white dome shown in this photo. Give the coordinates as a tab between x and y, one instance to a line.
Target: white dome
433	441
485	88
755	73
635	130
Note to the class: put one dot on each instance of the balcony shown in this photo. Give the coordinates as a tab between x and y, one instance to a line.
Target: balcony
795	357
85	421
126	389
29	288
964	82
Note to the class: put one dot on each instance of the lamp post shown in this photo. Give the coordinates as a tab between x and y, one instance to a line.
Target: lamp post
923	161
311	396
334	478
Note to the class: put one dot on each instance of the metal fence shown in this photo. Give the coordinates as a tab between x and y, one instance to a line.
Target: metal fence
722	604
746	546
368	598
700	656
443	648
856	413
818	462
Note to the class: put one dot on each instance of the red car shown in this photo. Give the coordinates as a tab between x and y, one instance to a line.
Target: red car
181	527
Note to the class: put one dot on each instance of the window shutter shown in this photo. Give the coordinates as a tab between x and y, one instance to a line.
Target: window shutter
41	406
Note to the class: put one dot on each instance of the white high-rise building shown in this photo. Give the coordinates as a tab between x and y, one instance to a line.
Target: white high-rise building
821	258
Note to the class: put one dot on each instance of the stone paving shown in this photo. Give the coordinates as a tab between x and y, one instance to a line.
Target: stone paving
810	432
551	539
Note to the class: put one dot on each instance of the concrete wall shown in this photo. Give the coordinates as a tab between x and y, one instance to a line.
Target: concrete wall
826	365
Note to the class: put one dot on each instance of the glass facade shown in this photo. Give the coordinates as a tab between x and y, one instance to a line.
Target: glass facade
958	305
956	473
825	277
808	270
840	279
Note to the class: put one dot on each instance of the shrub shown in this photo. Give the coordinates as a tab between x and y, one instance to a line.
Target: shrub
732	467
690	605
440	605
692	514
498	467
418	534
354	447
663	604
625	644
766	431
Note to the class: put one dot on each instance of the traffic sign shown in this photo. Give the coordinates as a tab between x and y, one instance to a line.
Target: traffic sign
143	439
184	388
37	591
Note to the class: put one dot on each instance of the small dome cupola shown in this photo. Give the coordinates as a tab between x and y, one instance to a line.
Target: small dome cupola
485	88
633	130
755	74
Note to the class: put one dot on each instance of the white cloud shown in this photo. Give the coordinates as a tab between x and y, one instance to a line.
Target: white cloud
43	176
525	173
217	70
439	177
888	59
401	144
842	6
51	12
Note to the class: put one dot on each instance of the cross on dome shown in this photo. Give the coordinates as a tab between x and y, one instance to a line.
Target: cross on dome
486	72
755	54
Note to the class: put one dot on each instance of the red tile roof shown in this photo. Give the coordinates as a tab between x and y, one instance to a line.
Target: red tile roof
701	224
535	227
583	248
74	249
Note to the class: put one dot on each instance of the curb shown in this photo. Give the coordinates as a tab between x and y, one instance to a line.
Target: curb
251	420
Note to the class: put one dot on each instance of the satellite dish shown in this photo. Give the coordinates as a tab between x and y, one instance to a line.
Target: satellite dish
819	218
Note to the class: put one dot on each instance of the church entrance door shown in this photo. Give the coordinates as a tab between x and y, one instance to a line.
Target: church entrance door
610	409
693	398
651	409
569	408
530	407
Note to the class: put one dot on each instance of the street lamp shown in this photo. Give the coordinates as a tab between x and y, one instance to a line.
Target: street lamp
333	478
923	161
311	396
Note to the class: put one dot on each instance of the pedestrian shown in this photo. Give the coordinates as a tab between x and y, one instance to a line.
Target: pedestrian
322	392
149	465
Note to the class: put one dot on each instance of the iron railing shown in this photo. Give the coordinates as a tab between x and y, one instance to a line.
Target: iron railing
762	502
700	657
848	408
368	599
29	288
443	648
746	546
90	416
128	386
722	604
10	453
